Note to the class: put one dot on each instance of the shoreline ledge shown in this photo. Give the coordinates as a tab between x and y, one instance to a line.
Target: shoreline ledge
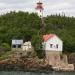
21	67
28	65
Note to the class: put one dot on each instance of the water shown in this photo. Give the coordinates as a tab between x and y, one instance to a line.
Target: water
30	73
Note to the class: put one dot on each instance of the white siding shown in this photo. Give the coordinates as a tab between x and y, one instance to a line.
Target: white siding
26	46
54	41
15	42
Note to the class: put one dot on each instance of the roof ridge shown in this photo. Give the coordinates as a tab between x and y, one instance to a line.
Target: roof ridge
47	36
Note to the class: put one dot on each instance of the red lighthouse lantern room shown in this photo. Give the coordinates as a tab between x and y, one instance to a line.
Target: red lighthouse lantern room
39	6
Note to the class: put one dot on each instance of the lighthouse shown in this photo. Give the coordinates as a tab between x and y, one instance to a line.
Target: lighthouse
39	9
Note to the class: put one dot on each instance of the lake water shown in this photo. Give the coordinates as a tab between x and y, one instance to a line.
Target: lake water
30	73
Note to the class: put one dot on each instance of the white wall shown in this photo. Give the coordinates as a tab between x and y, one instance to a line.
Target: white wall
14	42
26	46
55	40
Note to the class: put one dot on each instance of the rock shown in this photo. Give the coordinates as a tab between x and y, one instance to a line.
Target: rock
71	59
24	65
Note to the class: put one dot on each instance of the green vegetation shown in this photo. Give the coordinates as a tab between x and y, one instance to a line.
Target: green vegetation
6	46
22	25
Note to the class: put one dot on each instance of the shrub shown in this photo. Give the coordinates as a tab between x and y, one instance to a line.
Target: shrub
5	47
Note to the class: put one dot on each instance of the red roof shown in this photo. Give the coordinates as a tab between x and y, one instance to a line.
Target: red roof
48	36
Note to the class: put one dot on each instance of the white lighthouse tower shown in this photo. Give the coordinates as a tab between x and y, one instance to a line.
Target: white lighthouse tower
39	9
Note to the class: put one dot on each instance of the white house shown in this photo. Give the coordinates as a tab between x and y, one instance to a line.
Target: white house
53	47
52	43
26	46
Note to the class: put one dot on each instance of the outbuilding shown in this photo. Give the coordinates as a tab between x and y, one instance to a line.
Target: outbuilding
27	46
17	44
53	47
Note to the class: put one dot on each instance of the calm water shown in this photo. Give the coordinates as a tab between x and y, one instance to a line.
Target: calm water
29	73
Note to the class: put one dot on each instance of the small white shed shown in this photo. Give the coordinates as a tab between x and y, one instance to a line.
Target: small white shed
17	43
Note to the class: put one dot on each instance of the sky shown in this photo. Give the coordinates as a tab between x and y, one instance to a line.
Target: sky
66	7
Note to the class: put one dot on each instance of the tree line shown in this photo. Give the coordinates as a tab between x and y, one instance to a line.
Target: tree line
24	25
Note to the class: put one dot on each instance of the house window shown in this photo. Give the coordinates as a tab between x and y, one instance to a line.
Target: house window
19	46
14	46
56	45
51	45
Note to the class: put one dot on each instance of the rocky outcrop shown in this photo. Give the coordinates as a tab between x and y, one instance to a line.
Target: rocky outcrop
25	64
20	61
71	59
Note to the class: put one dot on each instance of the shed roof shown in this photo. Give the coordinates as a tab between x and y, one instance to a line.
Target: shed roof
48	36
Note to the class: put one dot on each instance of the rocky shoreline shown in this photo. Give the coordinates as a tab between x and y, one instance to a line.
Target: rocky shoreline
22	67
19	67
34	64
26	65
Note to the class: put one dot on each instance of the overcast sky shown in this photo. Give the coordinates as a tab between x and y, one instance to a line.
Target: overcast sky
50	6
